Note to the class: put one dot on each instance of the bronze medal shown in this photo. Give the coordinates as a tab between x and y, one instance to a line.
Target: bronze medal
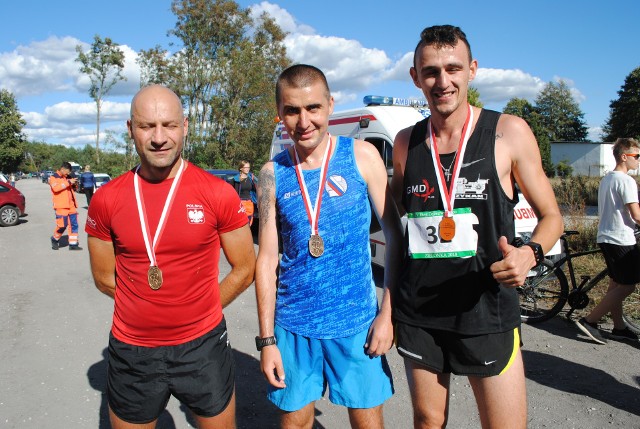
154	276
447	228
316	245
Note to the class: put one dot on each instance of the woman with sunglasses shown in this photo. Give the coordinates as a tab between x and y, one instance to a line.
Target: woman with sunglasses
619	216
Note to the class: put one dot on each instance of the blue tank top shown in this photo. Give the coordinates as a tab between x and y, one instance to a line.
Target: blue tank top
331	296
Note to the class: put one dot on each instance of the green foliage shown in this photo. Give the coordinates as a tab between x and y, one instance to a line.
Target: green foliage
12	140
564	169
560	115
624	113
225	71
574	194
525	110
103	63
473	97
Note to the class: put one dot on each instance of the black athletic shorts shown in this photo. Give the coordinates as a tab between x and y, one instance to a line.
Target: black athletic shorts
623	263
447	352
199	373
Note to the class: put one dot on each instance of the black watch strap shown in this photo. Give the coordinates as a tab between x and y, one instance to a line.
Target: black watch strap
538	253
264	342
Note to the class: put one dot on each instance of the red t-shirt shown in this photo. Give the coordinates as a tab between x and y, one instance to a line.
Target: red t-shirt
188	304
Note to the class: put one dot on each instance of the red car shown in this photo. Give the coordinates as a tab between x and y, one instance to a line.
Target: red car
12	204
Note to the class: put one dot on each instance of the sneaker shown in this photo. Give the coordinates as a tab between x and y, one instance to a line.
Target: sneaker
591	330
76	247
54	244
624	334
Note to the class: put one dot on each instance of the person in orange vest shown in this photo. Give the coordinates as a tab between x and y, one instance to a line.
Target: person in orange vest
65	205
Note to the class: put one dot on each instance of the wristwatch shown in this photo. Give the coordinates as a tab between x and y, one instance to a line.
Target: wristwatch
538	253
264	342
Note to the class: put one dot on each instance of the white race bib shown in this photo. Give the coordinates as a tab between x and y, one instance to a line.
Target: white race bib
425	241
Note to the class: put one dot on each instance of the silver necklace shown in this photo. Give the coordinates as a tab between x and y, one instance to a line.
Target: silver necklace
447	171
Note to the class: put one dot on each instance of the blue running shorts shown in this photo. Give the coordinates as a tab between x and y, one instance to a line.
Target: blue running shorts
354	379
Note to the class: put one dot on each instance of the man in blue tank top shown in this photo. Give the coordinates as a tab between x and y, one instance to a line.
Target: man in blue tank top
456	308
320	325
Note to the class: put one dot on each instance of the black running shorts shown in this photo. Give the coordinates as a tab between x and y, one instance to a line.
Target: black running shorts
622	263
447	352
199	373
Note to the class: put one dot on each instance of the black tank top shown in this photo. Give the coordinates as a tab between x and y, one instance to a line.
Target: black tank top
459	294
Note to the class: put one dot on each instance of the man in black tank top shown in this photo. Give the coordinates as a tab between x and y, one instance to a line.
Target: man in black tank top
455	308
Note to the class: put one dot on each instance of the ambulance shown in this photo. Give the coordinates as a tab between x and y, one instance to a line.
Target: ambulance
377	122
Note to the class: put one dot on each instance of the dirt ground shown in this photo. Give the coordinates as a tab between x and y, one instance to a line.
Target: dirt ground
54	326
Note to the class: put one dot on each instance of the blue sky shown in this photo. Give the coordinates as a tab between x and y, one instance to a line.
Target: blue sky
363	47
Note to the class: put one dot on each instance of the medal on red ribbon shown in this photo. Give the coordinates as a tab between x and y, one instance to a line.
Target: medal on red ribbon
447	226
154	274
316	243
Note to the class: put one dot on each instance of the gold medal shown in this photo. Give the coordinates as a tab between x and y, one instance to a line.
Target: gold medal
316	245
447	228
154	276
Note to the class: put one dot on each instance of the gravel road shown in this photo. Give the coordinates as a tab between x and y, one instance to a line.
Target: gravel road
54	326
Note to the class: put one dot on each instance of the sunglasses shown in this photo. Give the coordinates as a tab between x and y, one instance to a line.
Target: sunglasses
633	155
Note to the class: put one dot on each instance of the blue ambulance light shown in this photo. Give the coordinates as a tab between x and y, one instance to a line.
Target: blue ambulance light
379	100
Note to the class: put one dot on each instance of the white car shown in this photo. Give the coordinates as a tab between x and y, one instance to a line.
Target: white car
101	179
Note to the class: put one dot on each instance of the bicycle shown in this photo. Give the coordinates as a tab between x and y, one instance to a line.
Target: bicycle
546	290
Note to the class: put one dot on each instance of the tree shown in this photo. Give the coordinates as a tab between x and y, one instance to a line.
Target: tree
103	63
155	66
560	115
624	113
525	110
225	73
473	97
12	141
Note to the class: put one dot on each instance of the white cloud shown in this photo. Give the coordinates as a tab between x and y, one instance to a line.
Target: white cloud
49	66
40	67
500	85
595	134
282	17
73	124
348	65
400	70
77	113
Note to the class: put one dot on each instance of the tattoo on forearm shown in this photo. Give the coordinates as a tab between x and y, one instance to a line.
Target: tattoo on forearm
267	187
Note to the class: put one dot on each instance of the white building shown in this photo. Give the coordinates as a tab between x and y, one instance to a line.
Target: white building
585	158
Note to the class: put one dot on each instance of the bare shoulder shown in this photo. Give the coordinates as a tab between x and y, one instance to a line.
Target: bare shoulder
368	160
514	129
364	150
267	168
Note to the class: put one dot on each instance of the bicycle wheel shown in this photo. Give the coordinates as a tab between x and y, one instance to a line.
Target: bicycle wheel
631	311
544	294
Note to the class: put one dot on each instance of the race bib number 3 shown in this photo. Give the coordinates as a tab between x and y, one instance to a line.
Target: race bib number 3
425	240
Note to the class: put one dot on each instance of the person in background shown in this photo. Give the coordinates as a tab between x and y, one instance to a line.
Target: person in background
456	308
65	205
319	321
245	184
12	179
155	240
619	217
87	183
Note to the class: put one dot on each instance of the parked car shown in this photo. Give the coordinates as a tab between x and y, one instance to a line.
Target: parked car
45	175
12	205
4	178
101	179
226	175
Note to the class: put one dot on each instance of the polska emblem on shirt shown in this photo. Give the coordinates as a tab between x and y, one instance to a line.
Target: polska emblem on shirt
195	213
